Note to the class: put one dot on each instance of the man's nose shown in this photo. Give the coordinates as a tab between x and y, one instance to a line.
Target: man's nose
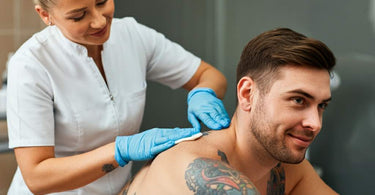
98	21
312	120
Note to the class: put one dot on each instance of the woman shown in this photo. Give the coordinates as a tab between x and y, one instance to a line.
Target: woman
76	95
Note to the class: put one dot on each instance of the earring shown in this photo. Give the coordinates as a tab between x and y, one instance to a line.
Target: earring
49	23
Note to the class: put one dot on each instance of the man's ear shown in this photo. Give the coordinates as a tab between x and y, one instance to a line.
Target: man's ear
44	15
245	93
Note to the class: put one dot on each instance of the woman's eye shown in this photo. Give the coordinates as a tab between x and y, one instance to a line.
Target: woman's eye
101	2
76	19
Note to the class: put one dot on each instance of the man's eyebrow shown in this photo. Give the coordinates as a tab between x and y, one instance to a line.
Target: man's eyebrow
301	92
327	100
76	10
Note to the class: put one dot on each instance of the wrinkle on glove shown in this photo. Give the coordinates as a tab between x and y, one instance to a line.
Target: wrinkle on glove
204	106
147	144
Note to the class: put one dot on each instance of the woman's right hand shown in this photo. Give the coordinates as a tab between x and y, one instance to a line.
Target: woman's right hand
148	144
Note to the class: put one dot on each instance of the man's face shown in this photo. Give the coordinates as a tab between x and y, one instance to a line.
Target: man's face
86	22
287	119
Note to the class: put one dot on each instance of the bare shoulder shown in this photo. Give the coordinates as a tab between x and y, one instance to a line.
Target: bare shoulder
302	178
193	167
165	174
201	167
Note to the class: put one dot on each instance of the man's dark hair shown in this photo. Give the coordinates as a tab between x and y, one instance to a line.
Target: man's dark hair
263	55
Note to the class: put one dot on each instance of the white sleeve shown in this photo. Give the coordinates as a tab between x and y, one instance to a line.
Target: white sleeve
168	62
29	104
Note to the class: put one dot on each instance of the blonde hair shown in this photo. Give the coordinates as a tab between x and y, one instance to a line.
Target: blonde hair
45	4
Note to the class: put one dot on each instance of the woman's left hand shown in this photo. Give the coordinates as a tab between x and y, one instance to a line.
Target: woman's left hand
203	105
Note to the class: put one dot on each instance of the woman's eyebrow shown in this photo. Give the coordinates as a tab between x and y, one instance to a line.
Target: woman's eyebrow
76	10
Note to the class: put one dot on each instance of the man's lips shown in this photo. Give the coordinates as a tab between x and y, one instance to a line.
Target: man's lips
301	140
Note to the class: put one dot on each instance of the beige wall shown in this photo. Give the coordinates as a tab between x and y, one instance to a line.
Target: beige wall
18	22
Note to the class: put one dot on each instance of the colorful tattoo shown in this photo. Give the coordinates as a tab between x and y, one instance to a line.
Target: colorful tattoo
276	184
208	176
108	168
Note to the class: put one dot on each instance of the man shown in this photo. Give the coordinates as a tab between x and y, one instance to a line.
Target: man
283	87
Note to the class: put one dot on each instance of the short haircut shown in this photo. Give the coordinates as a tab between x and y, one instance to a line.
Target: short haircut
266	53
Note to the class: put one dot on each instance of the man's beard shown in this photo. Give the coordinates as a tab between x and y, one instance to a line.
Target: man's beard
264	132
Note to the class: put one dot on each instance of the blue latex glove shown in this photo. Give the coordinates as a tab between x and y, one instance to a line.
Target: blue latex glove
148	144
203	105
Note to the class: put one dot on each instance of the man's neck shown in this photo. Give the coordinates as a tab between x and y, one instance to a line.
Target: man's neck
249	156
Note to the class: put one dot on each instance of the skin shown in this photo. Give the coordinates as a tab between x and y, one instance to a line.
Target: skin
263	149
90	27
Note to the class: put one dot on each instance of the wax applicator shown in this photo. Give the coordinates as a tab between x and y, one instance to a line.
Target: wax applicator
193	137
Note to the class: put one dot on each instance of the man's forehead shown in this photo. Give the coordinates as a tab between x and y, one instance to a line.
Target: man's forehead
304	79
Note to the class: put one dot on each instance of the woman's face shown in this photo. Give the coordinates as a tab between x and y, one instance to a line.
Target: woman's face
87	22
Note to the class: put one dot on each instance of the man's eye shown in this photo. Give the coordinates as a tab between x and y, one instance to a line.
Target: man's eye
298	100
101	2
323	106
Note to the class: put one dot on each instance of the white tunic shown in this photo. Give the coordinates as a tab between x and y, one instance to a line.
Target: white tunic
57	96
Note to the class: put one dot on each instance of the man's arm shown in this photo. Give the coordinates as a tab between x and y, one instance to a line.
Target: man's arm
209	176
303	179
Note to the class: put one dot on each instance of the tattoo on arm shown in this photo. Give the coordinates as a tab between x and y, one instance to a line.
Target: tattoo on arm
276	184
208	176
108	168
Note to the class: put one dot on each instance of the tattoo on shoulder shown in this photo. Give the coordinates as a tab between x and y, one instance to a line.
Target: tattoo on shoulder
208	176
108	168
276	184
223	156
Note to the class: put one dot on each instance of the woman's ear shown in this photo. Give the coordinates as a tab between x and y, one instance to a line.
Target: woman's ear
245	93
44	15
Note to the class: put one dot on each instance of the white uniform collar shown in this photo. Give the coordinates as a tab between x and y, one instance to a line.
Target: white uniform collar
71	46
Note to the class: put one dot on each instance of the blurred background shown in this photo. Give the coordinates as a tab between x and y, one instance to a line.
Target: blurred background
217	31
